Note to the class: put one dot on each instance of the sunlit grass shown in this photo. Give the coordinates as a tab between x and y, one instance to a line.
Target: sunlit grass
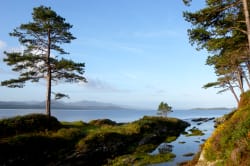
140	159
194	132
170	139
230	143
97	137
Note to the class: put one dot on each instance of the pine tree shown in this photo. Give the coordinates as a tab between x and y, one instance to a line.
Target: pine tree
164	109
222	28
42	39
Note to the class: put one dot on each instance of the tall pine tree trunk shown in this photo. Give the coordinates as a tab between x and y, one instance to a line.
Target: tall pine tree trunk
247	19
48	96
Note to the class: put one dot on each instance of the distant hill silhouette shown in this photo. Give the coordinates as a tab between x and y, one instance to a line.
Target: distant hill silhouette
58	105
213	108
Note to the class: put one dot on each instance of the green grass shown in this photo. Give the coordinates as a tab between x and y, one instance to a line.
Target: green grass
102	122
140	159
28	124
230	143
170	139
27	139
194	132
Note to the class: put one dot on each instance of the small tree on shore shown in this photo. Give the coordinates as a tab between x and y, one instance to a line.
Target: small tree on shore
42	36
164	109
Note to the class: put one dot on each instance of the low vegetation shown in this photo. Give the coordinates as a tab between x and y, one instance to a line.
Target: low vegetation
194	132
27	124
191	162
39	140
230	143
140	159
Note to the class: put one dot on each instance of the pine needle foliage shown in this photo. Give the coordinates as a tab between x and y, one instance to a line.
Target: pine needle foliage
42	39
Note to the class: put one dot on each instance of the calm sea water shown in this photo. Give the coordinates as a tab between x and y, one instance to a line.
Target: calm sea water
115	115
185	145
191	144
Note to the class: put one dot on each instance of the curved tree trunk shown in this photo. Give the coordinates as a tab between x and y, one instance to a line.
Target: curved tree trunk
246	79
233	92
248	68
239	77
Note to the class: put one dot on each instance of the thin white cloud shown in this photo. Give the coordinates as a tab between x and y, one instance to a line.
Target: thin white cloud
15	49
99	85
157	34
161	91
130	76
156	90
6	73
2	45
1	57
112	45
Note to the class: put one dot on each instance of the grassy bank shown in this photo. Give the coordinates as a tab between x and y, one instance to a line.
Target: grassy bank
38	140
229	145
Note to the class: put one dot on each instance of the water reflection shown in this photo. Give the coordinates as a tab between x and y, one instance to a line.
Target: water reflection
185	145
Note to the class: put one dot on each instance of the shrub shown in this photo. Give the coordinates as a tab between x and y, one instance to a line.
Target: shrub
32	150
28	123
69	133
244	99
100	122
194	132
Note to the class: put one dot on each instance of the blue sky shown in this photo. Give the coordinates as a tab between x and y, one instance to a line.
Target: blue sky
136	53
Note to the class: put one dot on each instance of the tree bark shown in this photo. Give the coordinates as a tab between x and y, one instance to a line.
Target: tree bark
246	79
239	77
48	95
247	19
233	92
248	68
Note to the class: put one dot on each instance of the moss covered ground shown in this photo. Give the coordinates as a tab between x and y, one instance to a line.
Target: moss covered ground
38	140
229	144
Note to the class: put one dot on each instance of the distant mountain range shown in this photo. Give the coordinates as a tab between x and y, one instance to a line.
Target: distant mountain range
58	105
